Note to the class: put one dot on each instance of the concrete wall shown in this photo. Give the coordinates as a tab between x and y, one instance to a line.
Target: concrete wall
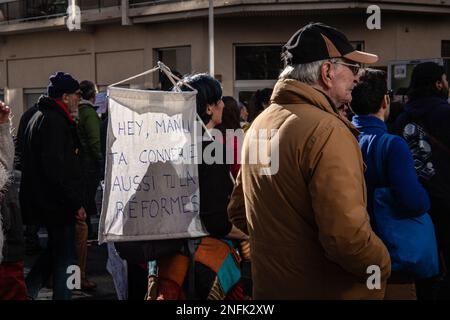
108	53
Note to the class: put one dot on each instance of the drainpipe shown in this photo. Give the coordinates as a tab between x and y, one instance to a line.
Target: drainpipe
211	37
125	7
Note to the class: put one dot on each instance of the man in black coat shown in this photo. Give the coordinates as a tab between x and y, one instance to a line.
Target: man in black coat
425	126
52	181
31	226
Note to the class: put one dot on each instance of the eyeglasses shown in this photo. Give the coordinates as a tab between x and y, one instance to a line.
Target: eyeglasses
354	68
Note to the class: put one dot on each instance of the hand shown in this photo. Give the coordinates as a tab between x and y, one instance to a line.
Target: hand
4	113
81	214
245	249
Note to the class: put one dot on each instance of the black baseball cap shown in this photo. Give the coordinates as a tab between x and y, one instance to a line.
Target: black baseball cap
317	41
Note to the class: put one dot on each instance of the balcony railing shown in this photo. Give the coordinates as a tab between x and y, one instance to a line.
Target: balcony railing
29	10
142	3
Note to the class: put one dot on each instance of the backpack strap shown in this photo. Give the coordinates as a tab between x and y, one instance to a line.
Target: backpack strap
379	155
432	138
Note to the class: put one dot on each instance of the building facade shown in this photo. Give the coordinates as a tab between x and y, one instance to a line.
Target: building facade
122	38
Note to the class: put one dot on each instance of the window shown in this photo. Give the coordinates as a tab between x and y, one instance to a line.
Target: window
257	62
358	45
445	48
256	66
31	96
400	72
178	59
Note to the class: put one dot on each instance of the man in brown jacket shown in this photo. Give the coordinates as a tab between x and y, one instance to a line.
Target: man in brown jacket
309	229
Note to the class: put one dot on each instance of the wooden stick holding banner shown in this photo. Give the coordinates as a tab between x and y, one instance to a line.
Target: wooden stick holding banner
161	66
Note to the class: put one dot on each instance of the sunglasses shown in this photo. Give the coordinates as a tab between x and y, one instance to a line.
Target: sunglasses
354	68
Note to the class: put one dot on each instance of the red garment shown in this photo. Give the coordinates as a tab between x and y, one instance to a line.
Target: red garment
65	109
236	165
214	255
233	148
237	293
12	281
168	290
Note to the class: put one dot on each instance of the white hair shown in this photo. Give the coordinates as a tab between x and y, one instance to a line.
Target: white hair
308	73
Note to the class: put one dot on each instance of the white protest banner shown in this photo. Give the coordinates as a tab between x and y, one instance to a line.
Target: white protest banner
151	178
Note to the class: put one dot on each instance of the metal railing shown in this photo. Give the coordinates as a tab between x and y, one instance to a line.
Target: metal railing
29	10
16	11
143	3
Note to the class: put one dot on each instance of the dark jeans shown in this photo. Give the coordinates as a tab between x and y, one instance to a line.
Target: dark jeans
91	183
437	288
55	259
137	281
32	239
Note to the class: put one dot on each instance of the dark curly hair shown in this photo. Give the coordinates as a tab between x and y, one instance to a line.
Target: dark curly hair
231	116
369	93
257	101
88	89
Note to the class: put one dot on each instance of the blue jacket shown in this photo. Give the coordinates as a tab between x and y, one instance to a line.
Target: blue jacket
401	175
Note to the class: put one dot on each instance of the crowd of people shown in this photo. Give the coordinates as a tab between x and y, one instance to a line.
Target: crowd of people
360	184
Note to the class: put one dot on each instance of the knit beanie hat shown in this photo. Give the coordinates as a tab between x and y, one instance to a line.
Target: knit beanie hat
61	83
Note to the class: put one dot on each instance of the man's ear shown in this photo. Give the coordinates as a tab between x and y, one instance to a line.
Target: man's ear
385	104
326	74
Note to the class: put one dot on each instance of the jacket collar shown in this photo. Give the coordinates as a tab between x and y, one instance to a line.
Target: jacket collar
65	108
289	91
46	102
362	122
85	102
